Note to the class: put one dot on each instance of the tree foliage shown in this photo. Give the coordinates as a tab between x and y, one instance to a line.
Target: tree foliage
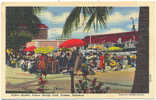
22	15
96	16
19	40
16	16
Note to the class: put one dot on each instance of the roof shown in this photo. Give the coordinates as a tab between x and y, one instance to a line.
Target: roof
40	26
112	37
45	40
112	34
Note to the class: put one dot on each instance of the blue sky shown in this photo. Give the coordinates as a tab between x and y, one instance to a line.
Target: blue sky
119	21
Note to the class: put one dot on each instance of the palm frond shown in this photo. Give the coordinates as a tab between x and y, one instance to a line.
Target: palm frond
85	12
100	17
90	22
72	21
97	17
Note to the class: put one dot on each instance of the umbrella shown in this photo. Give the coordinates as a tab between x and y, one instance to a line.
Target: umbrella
64	49
72	43
51	48
114	48
43	50
97	47
31	48
133	57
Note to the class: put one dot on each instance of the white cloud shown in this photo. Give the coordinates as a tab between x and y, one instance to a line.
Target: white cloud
55	31
115	18
116	30
50	16
112	30
47	15
118	17
109	31
62	18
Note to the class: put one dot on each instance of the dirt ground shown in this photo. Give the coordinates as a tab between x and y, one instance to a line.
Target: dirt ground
19	81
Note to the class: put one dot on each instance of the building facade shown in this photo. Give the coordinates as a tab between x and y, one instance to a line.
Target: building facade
123	40
43	31
44	43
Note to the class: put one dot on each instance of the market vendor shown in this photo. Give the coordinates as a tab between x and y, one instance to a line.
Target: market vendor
101	62
107	58
42	65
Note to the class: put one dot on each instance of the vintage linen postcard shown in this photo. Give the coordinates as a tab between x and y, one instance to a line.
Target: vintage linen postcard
78	50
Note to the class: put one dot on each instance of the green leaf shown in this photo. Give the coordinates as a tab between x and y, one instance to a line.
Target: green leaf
78	86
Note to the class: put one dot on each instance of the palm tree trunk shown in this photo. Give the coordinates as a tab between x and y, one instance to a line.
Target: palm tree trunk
72	82
141	81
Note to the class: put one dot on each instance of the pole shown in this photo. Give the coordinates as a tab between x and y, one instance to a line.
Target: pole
90	38
73	70
57	42
133	25
72	81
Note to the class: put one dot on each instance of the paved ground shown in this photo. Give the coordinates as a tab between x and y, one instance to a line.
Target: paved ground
19	81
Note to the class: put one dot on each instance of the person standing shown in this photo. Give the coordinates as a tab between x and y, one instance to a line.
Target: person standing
42	65
49	64
55	63
101	62
73	57
7	59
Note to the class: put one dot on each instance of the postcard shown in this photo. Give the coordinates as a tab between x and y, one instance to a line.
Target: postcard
78	50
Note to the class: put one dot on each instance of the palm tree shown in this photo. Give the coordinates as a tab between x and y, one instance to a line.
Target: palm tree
91	16
141	81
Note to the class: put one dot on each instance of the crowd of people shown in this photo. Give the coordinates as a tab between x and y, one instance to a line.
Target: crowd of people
62	61
104	61
47	63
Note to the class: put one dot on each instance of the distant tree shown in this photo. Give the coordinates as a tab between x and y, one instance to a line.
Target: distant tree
19	40
20	15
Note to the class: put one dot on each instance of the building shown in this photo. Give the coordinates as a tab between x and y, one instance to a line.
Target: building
44	43
112	37
43	31
40	39
126	39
